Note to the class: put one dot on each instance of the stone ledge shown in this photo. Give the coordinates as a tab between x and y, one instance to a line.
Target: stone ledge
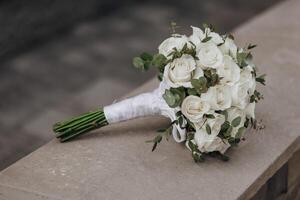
115	163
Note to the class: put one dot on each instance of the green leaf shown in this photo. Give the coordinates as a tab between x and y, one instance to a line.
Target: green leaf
235	122
200	84
154	146
240	132
228	131
147	65
261	79
160	76
198	157
256	97
157	140
225	126
224	158
181	122
174	96
211	76
241	59
168	132
169	98
178	114
206	39
210	26
233	141
251	46
205	25
192	91
208	129
190	136
191	125
146	56
223	112
159	61
246	124
192	146
138	63
209	116
180	91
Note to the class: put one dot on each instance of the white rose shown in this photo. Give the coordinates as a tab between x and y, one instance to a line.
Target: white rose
215	37
230	72
243	89
250	110
209	143
233	113
229	48
247	76
193	108
218	97
198	35
214	124
181	71
168	45
210	56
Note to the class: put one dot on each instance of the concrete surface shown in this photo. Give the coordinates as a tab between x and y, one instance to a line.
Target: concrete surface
115	163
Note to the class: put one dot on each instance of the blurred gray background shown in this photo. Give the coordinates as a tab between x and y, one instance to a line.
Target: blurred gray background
62	58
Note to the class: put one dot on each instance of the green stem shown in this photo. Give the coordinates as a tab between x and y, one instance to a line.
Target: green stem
76	126
58	126
78	123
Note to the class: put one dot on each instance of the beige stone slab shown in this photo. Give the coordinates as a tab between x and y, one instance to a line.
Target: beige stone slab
87	100
116	163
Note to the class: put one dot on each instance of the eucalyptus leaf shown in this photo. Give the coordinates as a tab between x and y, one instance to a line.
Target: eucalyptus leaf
174	96
241	58
200	84
192	91
228	131
224	157
208	129
209	116
169	98
138	63
240	132
211	76
198	157
261	79
236	121
225	126
159	61
251	46
206	39
146	56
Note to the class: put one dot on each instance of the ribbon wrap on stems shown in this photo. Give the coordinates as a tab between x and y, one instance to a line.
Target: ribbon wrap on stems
146	104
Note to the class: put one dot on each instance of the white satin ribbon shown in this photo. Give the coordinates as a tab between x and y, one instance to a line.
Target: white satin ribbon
142	105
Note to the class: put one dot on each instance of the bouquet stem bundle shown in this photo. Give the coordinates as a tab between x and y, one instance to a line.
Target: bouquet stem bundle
78	125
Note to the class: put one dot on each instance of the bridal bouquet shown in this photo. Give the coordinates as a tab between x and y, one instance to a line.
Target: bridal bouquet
207	90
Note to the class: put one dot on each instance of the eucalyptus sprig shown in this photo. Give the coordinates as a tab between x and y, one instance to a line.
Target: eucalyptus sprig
161	133
189	49
174	96
146	60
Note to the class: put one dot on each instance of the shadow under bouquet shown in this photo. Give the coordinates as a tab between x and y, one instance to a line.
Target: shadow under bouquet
207	90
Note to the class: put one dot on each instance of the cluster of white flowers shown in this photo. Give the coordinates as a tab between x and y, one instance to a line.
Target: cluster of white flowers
224	106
